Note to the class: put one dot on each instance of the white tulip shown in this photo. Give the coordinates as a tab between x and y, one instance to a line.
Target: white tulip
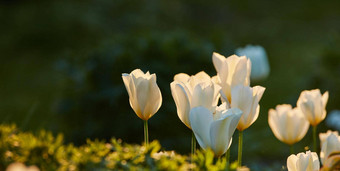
288	125
313	105
324	136
192	91
214	130
231	71
329	146
247	100
144	94
259	61
308	161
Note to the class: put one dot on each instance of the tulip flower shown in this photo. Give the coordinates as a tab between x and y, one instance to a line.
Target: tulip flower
313	106
288	125
308	161
144	95
231	71
214	130
192	91
259	61
329	146
324	136
246	99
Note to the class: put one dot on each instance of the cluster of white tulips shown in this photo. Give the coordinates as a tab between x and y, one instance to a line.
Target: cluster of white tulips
290	125
214	107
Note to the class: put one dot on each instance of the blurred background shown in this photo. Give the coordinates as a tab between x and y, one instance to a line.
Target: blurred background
61	63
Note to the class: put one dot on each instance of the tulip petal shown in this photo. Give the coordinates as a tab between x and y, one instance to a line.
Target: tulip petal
131	89
205	94
258	91
142	94
200	121
240	72
273	120
242	98
325	99
182	77
291	163
182	102
218	60
154	99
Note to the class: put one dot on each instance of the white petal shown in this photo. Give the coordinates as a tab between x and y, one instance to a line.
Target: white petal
258	91
182	102
218	60
154	100
291	163
200	121
182	77
325	99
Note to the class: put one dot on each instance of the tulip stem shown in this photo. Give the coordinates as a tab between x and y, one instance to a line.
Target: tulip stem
240	141
146	133
228	159
193	145
314	138
292	151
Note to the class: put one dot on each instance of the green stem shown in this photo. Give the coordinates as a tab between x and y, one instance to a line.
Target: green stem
240	141
314	138
193	145
228	159
292	151
146	133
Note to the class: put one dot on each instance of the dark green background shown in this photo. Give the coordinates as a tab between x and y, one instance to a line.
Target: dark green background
61	63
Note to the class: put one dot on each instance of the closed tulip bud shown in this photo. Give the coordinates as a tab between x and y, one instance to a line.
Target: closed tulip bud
329	146
324	136
214	130
303	162
231	71
247	100
144	94
288	125
192	91
259	61
313	105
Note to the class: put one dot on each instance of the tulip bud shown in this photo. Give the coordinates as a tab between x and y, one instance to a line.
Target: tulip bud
144	94
192	91
259	61
288	125
329	146
313	105
247	100
214	130
303	162
231	71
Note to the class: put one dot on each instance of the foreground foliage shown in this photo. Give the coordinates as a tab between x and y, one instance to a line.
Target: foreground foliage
48	152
